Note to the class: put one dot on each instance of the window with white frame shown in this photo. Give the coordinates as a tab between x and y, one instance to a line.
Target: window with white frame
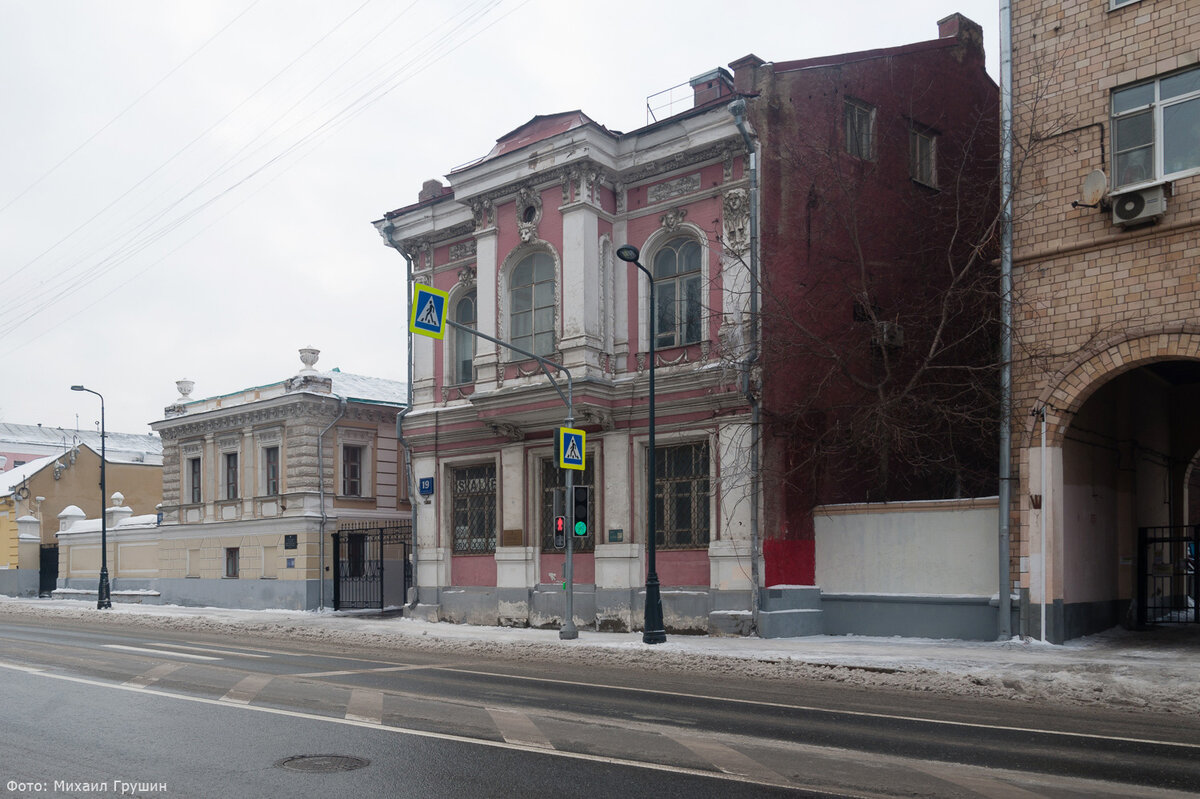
859	118
230	470
922	156
473	509
681	489
1156	128
677	287
195	481
270	471
531	304
1118	3
464	343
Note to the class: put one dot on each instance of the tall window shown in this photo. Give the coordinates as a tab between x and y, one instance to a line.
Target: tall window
922	156
554	480
232	567
677	291
474	509
1156	128
352	471
531	304
464	343
194	475
860	129
271	470
681	489
231	475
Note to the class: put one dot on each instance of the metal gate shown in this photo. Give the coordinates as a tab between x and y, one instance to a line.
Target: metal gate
48	570
1168	591
371	565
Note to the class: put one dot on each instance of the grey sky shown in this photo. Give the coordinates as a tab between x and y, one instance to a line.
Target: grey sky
186	189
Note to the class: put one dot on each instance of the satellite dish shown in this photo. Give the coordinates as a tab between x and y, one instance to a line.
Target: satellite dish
1094	187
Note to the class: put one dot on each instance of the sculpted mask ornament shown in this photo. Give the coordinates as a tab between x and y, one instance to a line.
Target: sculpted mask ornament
529	213
736	207
673	218
466	276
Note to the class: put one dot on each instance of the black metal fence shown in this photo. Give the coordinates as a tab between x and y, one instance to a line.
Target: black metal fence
371	565
1168	591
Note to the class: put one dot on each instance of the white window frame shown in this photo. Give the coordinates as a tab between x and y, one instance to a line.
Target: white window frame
679	281
227	447
1159	172
364	439
460	339
1115	4
188	453
265	440
853	143
922	169
516	259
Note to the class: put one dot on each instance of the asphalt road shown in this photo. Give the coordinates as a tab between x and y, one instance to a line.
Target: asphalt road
169	714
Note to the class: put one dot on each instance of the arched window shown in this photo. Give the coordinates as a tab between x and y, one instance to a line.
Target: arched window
531	304
677	278
464	343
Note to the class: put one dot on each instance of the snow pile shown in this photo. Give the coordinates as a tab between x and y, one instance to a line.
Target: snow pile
1117	669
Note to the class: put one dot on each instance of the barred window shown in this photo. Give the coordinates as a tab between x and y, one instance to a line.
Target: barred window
474	514
681	496
554	479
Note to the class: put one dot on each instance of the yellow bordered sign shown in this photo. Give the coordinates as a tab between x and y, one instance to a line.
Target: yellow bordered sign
571	448
428	311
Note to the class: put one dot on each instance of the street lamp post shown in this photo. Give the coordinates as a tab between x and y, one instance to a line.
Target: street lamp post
103	598
652	629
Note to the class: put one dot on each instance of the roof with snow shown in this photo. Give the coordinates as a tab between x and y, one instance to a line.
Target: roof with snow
38	439
12	479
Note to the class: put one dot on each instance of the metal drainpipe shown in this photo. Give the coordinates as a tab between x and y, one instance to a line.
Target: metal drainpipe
738	109
1004	625
407	447
321	491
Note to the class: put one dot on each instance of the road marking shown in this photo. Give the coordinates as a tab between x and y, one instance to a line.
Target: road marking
361	671
146	651
18	667
212	651
517	728
247	688
990	787
438	736
365	706
254	649
153	675
729	760
830	711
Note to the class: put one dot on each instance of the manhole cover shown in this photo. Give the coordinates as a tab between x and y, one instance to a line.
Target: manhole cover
322	763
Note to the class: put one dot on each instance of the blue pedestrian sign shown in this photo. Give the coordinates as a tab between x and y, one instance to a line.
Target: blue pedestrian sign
570	448
428	311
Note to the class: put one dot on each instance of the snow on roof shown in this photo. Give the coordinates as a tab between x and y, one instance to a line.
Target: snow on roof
119	447
12	479
368	389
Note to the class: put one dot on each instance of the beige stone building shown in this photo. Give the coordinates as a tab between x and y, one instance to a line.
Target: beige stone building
1106	297
255	484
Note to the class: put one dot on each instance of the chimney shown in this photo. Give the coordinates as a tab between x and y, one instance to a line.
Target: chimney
711	86
968	33
430	189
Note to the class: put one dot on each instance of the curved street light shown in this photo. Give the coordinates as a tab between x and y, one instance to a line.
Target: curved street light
103	594
653	631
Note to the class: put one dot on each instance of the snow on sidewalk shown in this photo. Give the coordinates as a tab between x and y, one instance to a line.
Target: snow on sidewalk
1158	670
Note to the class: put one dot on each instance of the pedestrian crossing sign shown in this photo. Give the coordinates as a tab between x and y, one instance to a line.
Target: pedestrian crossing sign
570	448
428	312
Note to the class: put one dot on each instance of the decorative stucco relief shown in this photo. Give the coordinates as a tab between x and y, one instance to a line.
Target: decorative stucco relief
661	192
736	212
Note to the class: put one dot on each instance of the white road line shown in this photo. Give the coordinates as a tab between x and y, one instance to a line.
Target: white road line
517	728
437	736
168	653
833	711
18	667
365	706
360	671
729	760
247	688
153	675
211	650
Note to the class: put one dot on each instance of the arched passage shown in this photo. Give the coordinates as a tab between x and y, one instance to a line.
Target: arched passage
1121	432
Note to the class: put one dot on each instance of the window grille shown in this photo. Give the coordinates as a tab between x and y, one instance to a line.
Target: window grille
474	509
681	494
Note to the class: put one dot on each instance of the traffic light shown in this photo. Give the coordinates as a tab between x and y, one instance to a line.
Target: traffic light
560	532
579	509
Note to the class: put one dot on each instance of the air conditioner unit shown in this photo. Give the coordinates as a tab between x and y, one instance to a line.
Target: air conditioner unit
1139	207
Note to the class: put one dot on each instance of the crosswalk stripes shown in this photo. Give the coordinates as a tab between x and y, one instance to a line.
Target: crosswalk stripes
247	689
153	675
517	728
727	759
365	705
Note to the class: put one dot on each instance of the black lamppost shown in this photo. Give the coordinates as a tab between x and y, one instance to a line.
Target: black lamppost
104	596
652	629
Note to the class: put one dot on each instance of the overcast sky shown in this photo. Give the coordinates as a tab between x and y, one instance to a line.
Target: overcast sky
186	188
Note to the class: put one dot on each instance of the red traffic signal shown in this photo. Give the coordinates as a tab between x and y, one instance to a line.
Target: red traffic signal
560	531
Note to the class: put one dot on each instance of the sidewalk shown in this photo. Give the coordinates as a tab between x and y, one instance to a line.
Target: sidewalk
1157	670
